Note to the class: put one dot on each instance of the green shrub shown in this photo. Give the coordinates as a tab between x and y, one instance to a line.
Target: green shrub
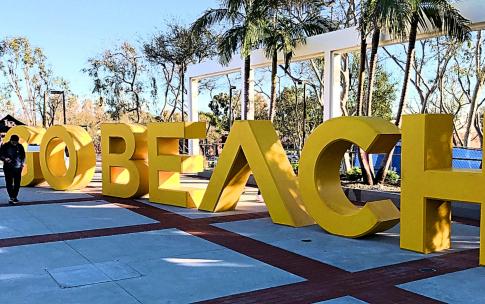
393	178
353	174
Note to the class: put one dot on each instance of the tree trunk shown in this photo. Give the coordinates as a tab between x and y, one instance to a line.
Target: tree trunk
407	71
382	174
360	76
363	157
372	67
345	77
247	71
365	167
472	113
274	70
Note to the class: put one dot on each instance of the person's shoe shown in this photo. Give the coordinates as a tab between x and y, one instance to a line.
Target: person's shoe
11	202
15	200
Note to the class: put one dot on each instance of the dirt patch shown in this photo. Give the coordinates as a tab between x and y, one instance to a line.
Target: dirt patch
360	186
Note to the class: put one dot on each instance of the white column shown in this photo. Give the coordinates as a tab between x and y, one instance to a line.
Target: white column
251	95
192	86
193	111
332	88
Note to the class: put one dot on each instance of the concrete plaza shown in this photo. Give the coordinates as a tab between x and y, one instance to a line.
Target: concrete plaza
81	247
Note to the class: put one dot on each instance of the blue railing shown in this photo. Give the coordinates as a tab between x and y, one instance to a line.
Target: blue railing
463	158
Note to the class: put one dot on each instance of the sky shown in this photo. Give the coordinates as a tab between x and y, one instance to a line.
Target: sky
71	31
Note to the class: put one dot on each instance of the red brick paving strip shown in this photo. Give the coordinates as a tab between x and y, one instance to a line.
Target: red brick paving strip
76	235
336	282
50	202
324	281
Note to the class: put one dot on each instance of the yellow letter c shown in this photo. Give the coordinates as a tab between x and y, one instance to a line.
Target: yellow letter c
319	177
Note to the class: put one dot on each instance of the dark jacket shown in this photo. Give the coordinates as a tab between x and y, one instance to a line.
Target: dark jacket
15	153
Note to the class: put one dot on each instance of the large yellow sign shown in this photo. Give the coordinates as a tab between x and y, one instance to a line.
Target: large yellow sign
137	159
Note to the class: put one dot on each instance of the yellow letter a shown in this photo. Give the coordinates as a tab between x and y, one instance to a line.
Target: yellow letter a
254	145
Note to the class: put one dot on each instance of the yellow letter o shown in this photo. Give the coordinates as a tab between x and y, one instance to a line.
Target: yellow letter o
82	157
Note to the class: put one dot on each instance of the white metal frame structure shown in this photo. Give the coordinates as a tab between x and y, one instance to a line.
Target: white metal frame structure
331	45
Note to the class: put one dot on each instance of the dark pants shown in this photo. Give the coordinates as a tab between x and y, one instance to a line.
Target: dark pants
12	180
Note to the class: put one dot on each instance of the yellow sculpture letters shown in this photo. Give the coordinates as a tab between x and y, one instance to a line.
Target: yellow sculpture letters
254	145
429	183
166	164
320	180
125	166
32	173
82	157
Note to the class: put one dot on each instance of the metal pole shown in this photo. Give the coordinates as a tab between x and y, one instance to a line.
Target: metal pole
64	107
183	94
304	111
296	116
44	120
230	105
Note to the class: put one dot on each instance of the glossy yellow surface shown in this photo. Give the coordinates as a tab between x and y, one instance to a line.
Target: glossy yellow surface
320	175
78	171
254	146
166	164
429	184
32	173
124	153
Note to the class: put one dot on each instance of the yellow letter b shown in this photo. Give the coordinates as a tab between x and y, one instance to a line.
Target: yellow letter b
124	154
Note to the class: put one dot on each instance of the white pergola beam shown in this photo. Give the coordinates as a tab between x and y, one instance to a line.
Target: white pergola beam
329	44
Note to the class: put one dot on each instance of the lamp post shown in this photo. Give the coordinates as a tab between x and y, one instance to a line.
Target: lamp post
304	112
300	82
44	114
230	105
63	103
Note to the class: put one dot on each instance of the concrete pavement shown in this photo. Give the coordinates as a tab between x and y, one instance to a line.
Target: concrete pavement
81	247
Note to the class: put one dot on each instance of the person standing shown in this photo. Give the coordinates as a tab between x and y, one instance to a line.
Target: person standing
13	156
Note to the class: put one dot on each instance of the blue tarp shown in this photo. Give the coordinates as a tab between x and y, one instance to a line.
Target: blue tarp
463	158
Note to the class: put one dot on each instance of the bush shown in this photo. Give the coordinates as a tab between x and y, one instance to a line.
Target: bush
353	174
393	178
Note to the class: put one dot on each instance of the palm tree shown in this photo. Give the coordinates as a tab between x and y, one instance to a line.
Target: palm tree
285	30
363	58
245	29
376	15
428	15
391	16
